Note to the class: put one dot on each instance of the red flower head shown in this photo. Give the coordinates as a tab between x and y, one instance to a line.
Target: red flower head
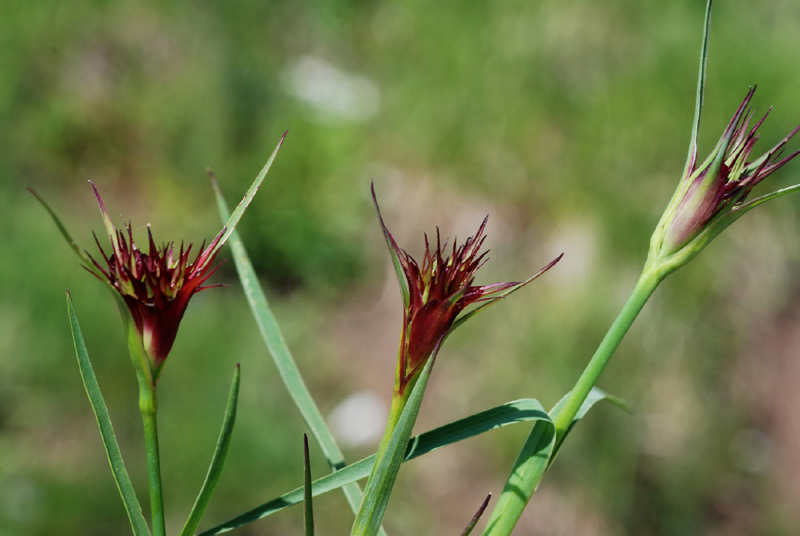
437	292
156	286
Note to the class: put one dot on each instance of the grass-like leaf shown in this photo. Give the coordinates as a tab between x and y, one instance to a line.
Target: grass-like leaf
699	96
530	466
132	506
512	412
233	218
82	255
308	509
387	466
63	230
533	461
595	395
217	460
278	349
477	516
723	221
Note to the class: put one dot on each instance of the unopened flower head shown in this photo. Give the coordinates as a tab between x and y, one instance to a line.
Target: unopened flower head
437	291
710	195
156	286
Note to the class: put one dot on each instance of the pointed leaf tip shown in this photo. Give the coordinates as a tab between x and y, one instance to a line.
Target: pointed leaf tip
307	493
112	232
87	262
700	94
34	193
217	460
398	262
121	478
477	516
236	215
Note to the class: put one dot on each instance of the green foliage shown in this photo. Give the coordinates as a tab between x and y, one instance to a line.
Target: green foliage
308	508
217	461
567	121
282	357
389	458
510	413
121	477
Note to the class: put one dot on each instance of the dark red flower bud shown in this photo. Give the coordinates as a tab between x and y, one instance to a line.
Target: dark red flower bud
156	286
436	293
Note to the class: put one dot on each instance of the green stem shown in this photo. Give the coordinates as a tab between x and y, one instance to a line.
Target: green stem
405	408
644	288
525	476
399	402
148	405
528	469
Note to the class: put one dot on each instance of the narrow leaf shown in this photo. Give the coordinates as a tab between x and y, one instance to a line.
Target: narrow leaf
466	316
725	220
307	495
217	460
701	83
132	506
383	476
595	395
285	363
530	466
87	262
394	252
477	516
236	215
509	413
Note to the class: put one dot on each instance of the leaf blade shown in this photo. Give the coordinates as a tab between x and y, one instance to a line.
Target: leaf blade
595	395
517	411
217	460
282	357
384	473
308	508
533	461
123	481
699	96
530	466
232	220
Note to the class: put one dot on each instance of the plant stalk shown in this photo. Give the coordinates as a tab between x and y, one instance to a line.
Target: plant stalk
644	288
527	471
148	405
399	402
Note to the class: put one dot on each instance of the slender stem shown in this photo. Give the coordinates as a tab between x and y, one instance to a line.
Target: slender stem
522	482
148	405
399	402
644	288
405	408
528	469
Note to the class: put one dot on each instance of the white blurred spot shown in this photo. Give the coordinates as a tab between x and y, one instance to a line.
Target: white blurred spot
359	419
334	94
577	239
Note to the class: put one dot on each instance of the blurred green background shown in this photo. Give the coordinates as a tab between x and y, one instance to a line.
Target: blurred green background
568	122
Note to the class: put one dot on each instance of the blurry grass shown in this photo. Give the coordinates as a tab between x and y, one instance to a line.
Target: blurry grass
567	121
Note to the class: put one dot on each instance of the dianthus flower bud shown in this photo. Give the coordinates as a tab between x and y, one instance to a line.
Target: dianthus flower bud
437	292
712	195
156	286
